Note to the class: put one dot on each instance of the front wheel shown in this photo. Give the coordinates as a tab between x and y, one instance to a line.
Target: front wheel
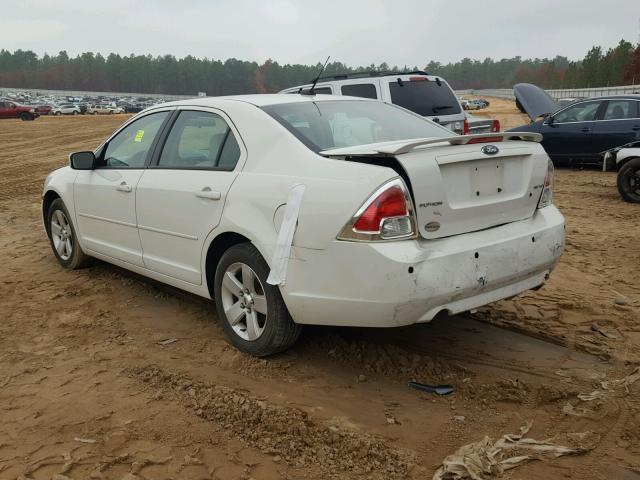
75	112
629	181
63	238
58	113
252	312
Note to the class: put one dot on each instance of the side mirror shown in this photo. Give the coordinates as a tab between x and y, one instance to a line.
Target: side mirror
549	119
82	160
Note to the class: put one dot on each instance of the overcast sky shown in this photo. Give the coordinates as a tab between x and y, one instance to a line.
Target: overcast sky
356	32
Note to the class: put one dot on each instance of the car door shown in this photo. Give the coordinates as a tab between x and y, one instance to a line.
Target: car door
104	197
569	132
4	109
620	124
181	195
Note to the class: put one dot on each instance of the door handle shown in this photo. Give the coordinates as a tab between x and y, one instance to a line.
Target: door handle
207	193
124	187
585	129
635	128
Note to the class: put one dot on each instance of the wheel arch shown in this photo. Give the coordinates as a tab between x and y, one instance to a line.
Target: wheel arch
220	244
47	200
625	160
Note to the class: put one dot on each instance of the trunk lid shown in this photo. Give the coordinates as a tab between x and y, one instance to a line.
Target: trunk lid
465	190
465	187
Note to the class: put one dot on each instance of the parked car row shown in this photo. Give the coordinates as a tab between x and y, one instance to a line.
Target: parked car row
69	105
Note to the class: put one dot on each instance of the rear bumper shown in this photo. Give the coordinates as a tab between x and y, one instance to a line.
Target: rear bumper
400	283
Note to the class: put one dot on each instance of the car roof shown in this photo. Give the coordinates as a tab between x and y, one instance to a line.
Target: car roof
629	96
262	99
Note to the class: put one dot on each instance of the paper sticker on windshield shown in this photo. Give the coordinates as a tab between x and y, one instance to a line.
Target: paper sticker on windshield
139	135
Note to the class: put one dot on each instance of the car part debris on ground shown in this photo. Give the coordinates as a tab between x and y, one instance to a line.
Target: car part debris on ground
437	389
488	459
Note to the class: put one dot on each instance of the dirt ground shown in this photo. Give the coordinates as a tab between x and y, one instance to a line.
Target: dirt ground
91	388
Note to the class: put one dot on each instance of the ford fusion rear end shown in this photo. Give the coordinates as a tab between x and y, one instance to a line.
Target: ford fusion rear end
466	221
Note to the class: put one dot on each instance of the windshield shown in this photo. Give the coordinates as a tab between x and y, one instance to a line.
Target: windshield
424	97
348	123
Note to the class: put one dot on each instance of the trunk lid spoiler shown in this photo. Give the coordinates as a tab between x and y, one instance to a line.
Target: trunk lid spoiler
406	146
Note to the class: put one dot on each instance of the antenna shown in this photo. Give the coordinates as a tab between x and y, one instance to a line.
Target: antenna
312	90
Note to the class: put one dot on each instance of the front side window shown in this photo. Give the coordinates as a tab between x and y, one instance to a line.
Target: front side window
346	123
130	147
580	112
620	110
364	90
200	140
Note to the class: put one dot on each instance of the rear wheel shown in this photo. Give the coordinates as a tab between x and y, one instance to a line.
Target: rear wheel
629	181
252	312
58	113
62	236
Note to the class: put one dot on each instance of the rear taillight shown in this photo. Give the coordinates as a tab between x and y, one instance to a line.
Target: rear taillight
546	198
465	128
387	215
418	79
495	126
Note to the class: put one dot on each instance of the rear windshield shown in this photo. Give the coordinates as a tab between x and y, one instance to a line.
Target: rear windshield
347	123
425	97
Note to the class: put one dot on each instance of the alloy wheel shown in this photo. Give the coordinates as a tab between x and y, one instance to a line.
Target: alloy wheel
244	301
61	235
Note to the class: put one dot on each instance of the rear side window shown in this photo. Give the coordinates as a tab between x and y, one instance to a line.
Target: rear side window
621	109
200	140
364	90
425	97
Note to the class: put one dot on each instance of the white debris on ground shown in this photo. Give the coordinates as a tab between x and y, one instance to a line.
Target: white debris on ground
487	459
610	385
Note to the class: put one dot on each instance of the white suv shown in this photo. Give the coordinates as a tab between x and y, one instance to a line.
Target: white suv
66	109
427	95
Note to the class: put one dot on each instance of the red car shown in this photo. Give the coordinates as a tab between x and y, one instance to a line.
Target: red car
42	109
9	109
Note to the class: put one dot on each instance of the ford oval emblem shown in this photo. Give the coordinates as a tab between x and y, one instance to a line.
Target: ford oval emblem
432	226
489	149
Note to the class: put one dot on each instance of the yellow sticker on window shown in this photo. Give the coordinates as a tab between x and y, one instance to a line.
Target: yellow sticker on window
139	135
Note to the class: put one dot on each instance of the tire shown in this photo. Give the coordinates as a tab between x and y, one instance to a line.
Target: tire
61	240
24	116
629	181
75	112
258	330
58	113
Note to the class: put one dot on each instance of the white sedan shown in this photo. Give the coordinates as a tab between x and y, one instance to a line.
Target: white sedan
297	209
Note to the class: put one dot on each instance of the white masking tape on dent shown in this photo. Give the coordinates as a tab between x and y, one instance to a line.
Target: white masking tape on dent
280	259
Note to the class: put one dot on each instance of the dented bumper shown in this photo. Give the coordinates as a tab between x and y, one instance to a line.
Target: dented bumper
400	283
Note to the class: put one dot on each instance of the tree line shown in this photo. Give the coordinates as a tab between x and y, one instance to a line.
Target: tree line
167	74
